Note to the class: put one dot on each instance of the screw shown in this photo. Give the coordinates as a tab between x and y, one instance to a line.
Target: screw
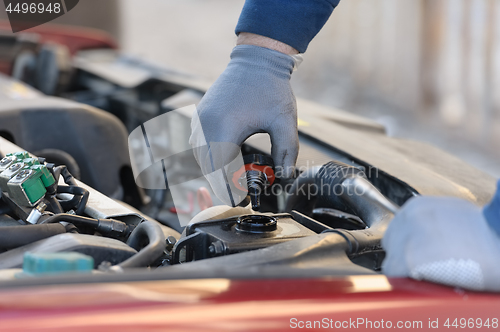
170	243
15	167
104	266
23	174
216	248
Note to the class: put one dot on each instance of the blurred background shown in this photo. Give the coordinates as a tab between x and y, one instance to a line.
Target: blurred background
427	69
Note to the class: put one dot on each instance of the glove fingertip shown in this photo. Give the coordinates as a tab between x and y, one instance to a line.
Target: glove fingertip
284	162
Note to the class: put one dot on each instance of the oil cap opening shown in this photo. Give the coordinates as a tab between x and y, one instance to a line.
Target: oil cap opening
256	223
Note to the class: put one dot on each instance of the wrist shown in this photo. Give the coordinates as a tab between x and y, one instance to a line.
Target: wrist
247	38
263	58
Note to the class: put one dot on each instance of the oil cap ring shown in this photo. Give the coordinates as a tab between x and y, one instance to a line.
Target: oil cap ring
256	223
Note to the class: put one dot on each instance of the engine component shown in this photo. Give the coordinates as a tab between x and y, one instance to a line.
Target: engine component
100	248
25	179
54	263
79	200
236	234
9	173
154	249
36	213
345	187
7	161
258	172
28	180
338	219
13	164
110	227
256	223
335	249
26	187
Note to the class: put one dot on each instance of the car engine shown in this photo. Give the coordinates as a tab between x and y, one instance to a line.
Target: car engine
71	203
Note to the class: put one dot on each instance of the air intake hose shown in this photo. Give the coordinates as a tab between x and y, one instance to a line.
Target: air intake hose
345	187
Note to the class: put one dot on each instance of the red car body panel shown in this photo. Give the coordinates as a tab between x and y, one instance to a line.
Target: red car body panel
239	305
74	38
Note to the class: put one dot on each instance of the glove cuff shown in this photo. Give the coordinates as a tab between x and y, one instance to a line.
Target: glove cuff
263	57
492	211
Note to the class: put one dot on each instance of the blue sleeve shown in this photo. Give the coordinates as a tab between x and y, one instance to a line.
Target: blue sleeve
492	211
293	22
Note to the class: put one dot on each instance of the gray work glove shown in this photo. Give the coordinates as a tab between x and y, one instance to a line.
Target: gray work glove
253	95
443	240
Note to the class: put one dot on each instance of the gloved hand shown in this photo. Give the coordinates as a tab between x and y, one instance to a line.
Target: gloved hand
253	95
443	240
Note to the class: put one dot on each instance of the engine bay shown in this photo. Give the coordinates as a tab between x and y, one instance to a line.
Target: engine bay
47	211
72	203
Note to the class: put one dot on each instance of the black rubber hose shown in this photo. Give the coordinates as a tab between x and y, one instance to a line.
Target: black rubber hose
298	197
54	205
155	248
71	203
4	208
60	157
17	236
110	227
329	187
345	186
81	202
68	178
76	220
341	184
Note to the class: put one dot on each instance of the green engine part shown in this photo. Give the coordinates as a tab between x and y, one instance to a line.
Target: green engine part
6	162
47	178
12	164
31	161
24	178
20	156
26	188
9	173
